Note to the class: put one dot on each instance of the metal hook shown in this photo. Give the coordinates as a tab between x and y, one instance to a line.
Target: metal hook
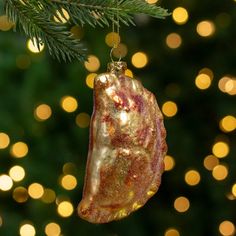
111	54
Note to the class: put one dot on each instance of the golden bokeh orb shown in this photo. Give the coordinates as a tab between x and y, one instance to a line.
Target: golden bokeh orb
227	228
180	15
139	59
4	140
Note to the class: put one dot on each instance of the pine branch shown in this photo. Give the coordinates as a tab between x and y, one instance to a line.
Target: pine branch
35	18
36	23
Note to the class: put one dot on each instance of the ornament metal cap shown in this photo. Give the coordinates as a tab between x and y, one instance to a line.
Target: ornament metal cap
117	67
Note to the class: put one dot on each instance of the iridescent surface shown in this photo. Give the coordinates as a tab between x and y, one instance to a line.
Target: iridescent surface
127	146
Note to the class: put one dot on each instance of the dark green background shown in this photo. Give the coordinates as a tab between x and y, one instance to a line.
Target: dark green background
190	134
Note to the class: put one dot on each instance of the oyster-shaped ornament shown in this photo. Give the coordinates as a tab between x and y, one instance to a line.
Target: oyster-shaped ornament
126	149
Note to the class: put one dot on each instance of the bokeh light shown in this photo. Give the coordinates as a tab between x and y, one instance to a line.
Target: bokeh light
49	196
6	182
36	190
17	173
4	140
42	112
90	80
210	162
20	194
180	15
120	51
139	59
92	64
34	47
23	61
169	162
27	230
112	39
227	228
61	16
151	1
181	204
220	172
203	81
169	108
52	229
173	40
192	177
205	28
83	120
68	182
234	190
19	150
69	168
171	232
220	149
5	24
228	123
69	104
65	209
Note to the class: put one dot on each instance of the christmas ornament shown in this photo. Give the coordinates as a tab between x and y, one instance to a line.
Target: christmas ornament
126	150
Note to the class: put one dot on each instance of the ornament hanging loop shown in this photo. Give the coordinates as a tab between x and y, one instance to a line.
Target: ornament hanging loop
117	31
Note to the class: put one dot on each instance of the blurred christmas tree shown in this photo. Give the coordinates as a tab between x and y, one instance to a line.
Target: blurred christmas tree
187	61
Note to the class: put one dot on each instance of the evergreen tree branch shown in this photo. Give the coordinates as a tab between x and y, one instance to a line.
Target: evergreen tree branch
36	23
36	19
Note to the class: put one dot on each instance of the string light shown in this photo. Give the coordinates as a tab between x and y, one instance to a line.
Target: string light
228	123
69	104
77	32
112	39
19	150
139	60
169	108
49	196
82	120
234	190
36	190
65	209
151	1
27	230
52	229
20	194
120	51
61	16
42	112
180	15
203	81
220	149
17	173
34	47
4	140
6	182
227	228
90	80
220	172
92	64
69	168
172	232
68	182
23	62
5	24
181	204
173	40
192	177
205	28
169	163
210	162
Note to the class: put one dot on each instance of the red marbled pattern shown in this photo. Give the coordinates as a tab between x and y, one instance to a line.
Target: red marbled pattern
127	147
